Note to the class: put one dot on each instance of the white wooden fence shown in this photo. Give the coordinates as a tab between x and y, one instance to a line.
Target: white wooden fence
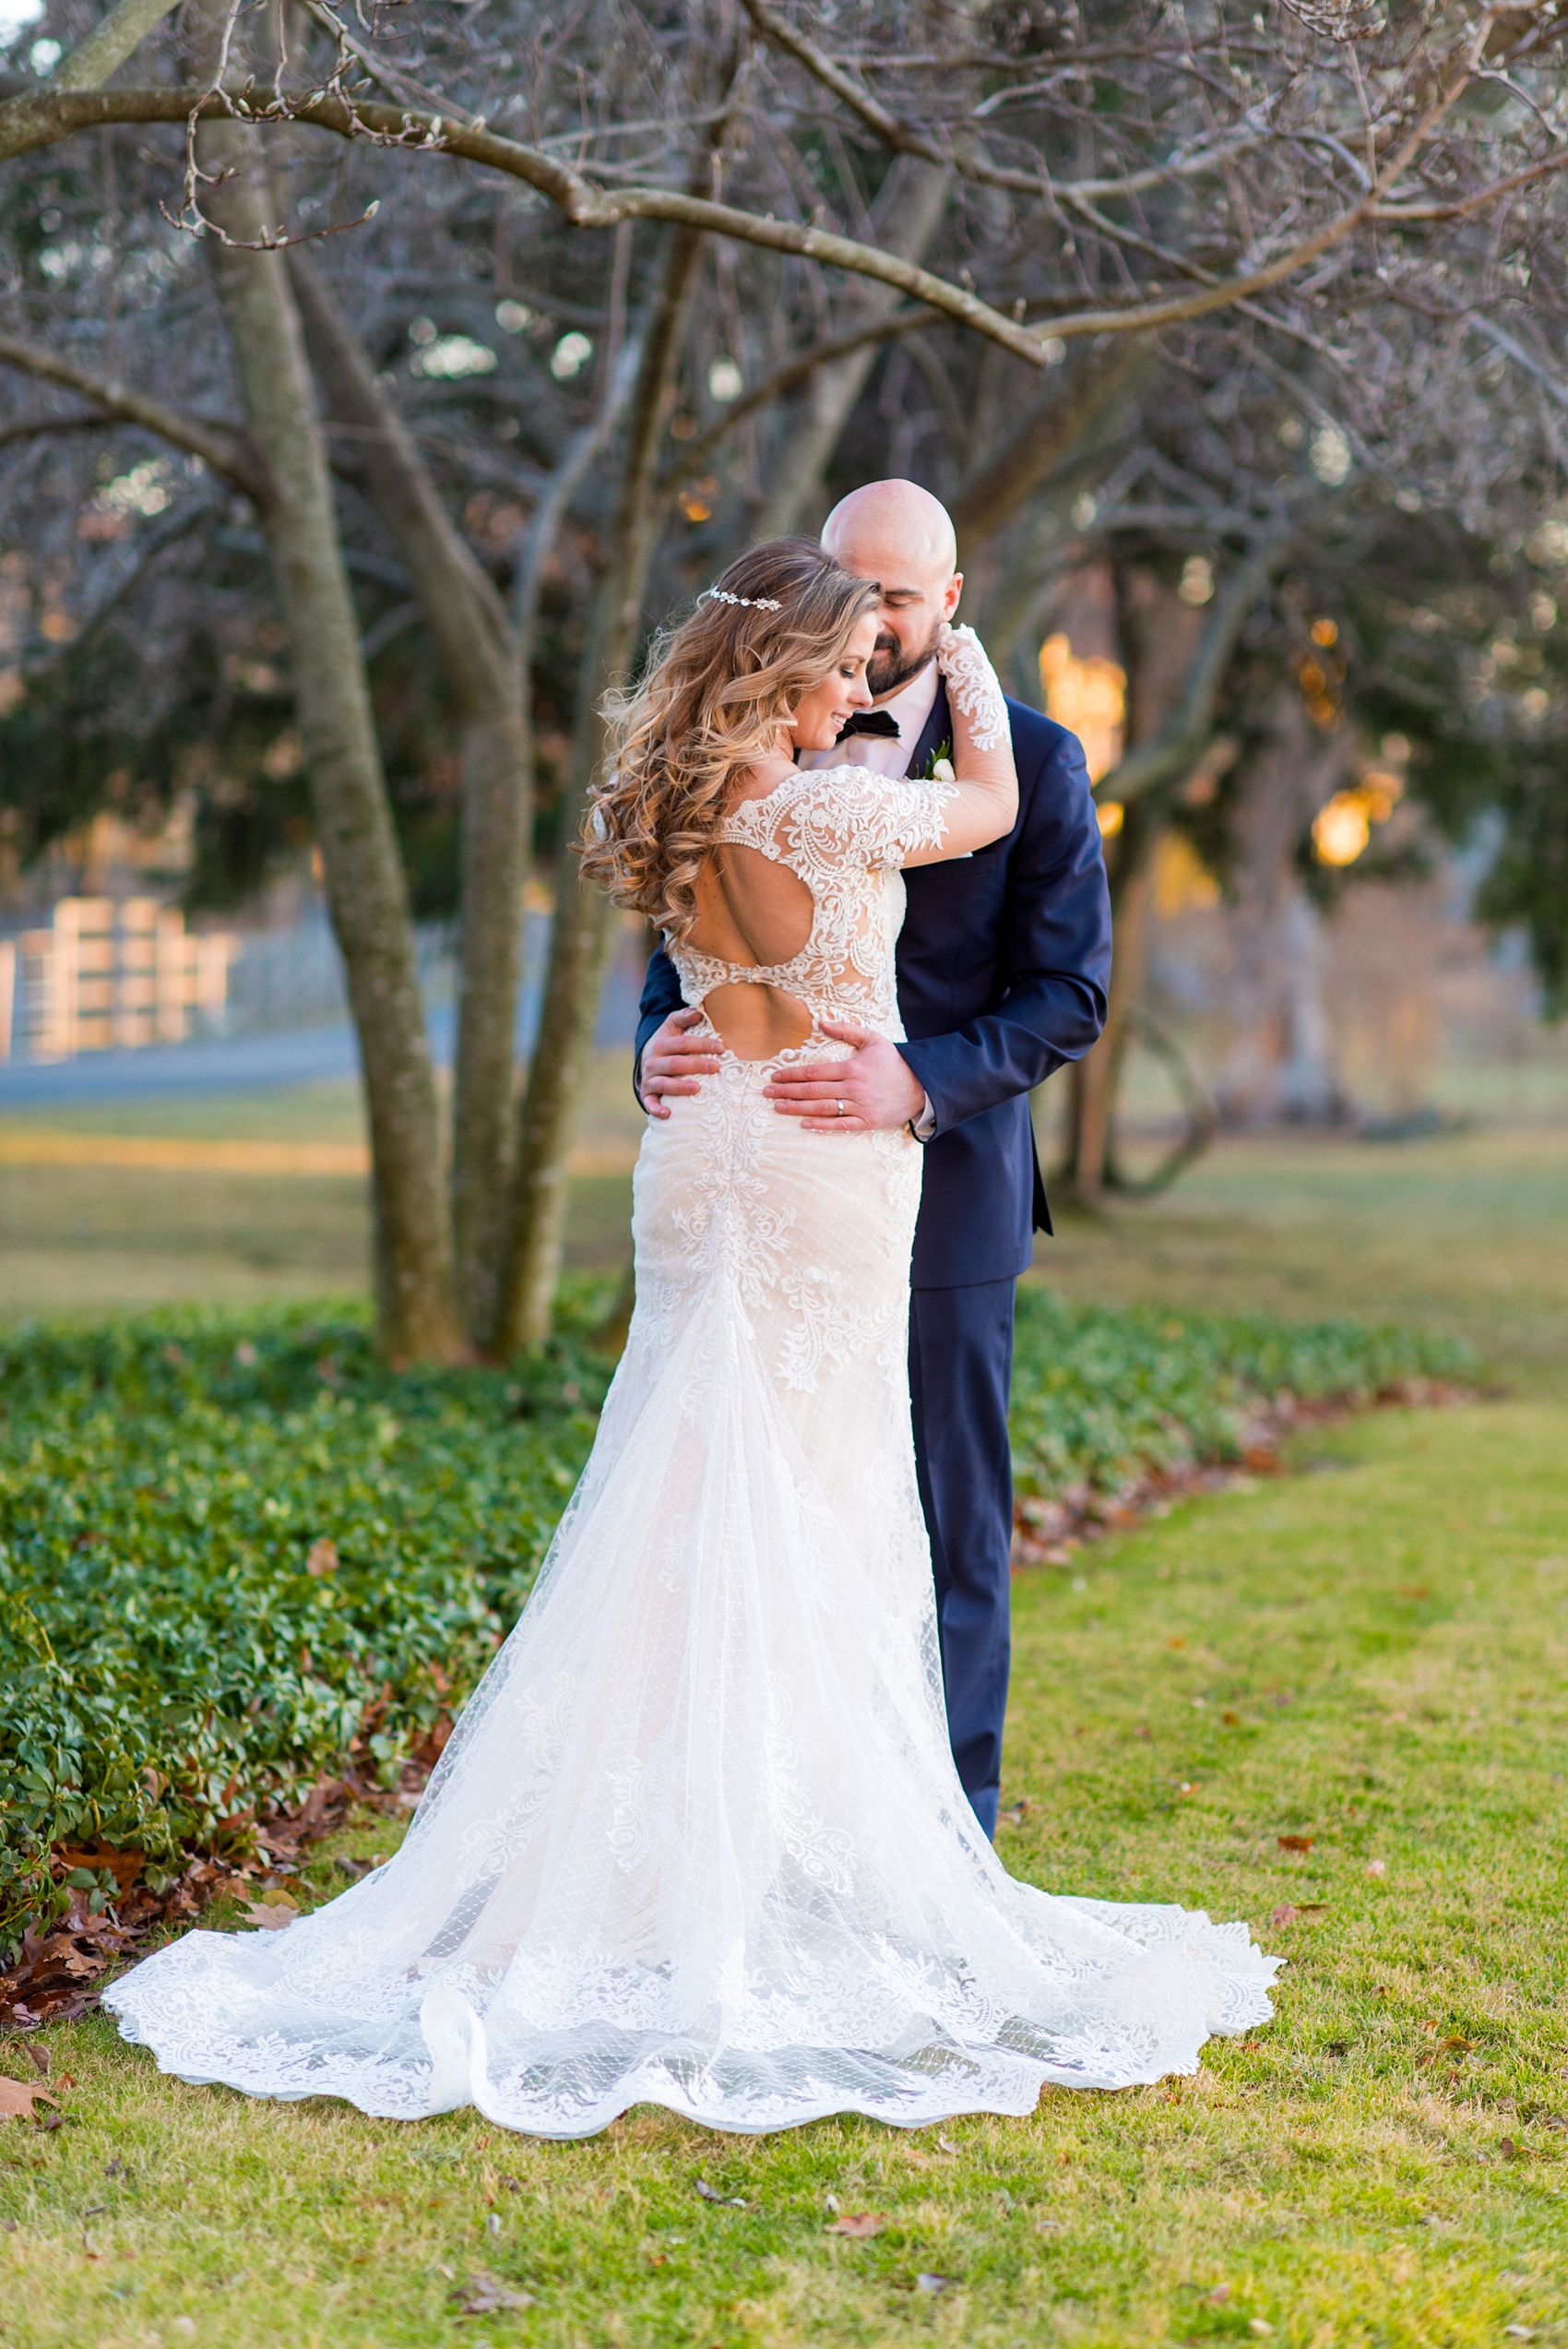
111	973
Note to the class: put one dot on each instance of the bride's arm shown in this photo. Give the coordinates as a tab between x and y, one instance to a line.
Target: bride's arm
981	803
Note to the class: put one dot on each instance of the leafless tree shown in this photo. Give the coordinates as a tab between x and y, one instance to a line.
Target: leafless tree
1075	268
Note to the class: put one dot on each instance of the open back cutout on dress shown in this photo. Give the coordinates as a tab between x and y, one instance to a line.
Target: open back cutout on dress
843	832
749	900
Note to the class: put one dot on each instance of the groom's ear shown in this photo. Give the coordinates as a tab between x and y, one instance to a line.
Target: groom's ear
953	590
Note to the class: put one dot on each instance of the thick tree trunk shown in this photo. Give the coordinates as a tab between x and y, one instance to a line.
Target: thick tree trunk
1281	1061
1050	430
911	209
1159	640
584	920
469	628
366	890
1093	1082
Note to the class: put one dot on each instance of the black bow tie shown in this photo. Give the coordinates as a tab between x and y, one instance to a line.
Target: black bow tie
872	722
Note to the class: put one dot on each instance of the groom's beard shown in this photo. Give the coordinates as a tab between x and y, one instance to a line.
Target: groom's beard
890	666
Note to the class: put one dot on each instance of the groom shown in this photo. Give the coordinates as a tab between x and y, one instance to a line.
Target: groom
1003	963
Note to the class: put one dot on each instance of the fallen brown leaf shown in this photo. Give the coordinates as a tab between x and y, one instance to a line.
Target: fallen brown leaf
272	1912
17	2098
1286	1913
858	2223
1295	1842
486	2295
322	1557
124	1866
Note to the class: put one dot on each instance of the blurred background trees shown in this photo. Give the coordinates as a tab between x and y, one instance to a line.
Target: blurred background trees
1233	339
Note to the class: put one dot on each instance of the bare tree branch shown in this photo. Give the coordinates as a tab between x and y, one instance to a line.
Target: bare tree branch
795	372
36	427
39	120
105	51
224	452
905	140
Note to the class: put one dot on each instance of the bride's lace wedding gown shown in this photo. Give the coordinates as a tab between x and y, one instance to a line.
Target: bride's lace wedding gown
697	1840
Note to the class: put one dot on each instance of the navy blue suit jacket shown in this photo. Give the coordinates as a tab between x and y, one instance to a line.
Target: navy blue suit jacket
1003	963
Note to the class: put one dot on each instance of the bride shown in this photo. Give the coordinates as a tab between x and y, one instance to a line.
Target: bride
697	1840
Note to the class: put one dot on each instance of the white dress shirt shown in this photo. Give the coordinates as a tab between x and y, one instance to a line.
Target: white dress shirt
908	707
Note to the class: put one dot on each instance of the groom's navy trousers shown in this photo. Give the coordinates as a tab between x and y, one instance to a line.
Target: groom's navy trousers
1003	963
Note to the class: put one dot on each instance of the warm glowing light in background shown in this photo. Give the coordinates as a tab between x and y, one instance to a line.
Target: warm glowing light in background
1089	697
1111	815
1341	830
1182	878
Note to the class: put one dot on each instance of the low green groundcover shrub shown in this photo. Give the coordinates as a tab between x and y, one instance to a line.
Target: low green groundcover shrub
237	1551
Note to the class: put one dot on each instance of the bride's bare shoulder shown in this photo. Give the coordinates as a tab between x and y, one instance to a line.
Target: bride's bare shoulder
761	779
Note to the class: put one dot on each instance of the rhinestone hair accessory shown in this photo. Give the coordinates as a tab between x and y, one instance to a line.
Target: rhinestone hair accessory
746	603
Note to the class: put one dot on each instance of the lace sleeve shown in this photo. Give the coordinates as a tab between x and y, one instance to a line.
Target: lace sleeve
849	816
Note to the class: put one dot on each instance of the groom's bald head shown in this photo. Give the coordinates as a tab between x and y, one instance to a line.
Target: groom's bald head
899	535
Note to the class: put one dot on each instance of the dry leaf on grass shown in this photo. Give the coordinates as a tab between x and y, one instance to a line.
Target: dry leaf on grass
17	2098
936	2283
486	2295
945	2145
858	2223
711	2194
124	1866
1295	1842
273	1911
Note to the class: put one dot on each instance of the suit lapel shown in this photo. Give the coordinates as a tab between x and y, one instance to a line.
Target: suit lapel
937	730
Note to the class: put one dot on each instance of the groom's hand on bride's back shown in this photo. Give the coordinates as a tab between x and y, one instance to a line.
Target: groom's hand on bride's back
672	1060
877	1086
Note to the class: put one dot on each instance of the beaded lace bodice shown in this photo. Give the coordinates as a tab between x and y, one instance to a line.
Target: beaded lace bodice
845	832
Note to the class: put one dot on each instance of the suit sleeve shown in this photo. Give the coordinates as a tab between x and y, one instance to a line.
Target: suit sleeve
660	996
1056	953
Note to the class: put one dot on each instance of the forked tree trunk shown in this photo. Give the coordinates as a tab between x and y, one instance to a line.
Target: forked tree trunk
909	214
473	638
584	920
366	890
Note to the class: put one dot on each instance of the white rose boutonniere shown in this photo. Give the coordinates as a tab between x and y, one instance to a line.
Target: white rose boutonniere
941	772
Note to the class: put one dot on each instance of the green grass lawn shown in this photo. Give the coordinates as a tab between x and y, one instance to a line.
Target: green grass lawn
1370	1653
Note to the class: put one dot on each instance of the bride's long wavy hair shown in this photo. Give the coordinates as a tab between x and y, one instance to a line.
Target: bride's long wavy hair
716	691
